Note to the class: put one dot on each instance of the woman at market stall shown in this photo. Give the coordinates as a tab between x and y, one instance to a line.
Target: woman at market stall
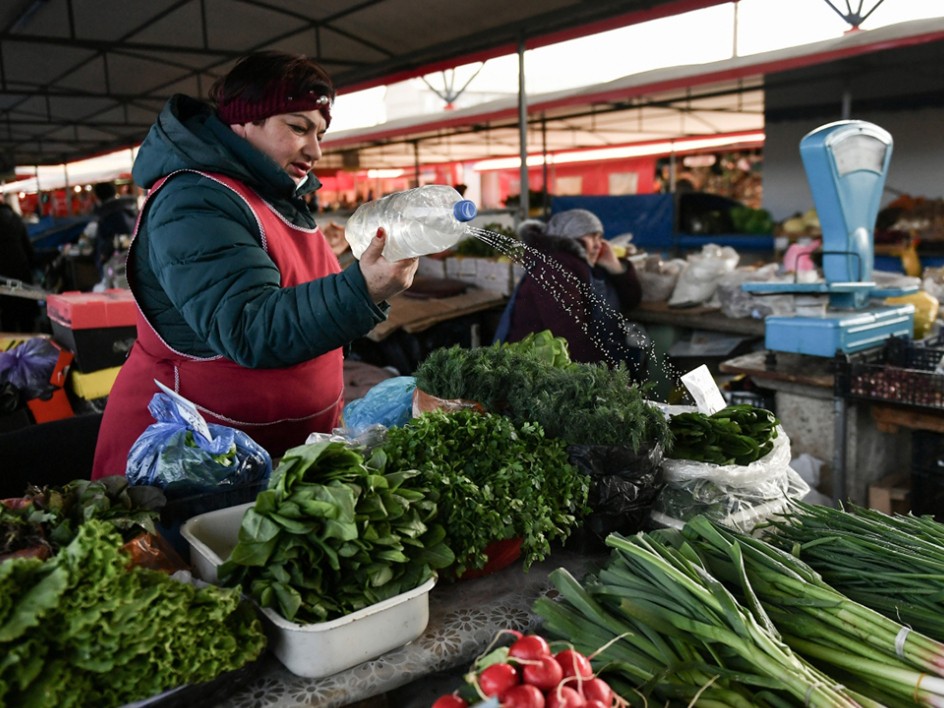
243	307
579	290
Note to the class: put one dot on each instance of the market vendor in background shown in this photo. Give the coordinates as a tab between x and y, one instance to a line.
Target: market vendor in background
243	307
579	290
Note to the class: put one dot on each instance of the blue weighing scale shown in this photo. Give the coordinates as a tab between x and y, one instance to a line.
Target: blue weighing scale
846	163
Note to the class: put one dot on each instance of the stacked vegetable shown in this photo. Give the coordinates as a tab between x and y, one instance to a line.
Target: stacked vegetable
336	532
492	480
715	616
528	674
85	627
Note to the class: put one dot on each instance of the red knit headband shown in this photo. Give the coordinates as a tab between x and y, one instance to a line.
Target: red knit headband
281	98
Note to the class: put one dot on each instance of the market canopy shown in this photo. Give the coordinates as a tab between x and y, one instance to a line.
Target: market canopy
83	77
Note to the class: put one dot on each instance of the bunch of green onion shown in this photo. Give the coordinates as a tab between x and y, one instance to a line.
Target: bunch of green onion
711	616
891	563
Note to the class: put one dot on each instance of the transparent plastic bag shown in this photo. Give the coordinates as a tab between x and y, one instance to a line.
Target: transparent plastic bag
173	455
739	496
28	366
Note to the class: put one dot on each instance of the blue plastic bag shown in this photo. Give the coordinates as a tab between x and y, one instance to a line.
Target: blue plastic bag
389	403
173	455
29	366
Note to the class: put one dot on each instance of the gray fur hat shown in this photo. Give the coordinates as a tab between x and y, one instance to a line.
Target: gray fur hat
574	223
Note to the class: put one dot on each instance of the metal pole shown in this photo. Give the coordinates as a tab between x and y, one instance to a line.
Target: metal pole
841	410
523	206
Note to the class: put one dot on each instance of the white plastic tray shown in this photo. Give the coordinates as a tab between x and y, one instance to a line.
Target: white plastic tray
313	650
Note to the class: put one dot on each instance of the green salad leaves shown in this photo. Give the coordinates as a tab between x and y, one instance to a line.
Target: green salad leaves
83	629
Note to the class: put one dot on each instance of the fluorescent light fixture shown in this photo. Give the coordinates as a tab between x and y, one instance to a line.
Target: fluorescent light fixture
617	153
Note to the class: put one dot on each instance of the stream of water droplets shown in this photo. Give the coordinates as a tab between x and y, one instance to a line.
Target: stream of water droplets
572	294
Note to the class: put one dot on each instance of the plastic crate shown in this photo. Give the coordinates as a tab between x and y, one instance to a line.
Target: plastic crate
901	372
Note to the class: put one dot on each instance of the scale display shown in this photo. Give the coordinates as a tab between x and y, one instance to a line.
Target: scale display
846	163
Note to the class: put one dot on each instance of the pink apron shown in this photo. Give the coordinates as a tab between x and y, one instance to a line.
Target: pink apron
277	408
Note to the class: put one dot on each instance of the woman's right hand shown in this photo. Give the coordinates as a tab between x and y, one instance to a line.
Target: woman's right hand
385	278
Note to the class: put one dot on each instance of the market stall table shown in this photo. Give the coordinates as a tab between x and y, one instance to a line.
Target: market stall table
415	314
844	435
464	617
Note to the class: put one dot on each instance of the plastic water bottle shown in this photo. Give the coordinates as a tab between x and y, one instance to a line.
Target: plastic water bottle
418	222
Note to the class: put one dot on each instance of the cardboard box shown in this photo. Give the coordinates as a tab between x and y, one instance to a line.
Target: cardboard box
98	328
485	273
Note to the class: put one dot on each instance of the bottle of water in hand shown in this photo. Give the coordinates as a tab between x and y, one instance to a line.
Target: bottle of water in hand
418	222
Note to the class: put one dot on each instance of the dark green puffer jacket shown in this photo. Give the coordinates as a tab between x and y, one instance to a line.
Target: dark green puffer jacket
198	269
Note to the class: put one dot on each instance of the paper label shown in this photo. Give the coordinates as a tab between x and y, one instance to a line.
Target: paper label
701	384
188	411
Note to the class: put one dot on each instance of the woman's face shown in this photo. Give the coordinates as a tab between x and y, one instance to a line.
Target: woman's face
592	243
293	140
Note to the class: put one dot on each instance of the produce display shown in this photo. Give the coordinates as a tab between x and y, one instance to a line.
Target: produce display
493	480
712	616
80	625
531	674
735	435
584	404
335	533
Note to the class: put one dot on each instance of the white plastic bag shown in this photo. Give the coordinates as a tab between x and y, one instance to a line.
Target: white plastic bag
699	278
739	496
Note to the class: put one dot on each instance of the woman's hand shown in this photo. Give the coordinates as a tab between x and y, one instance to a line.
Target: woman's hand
608	260
385	278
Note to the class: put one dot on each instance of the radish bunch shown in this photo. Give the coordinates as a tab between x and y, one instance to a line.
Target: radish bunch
528	674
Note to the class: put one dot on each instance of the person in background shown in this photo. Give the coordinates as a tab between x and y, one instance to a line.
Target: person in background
578	290
243	307
114	216
17	261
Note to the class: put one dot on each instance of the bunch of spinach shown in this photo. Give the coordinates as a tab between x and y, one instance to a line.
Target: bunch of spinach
84	629
495	480
579	403
335	533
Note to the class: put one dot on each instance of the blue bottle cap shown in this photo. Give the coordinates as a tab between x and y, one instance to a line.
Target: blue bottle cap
465	210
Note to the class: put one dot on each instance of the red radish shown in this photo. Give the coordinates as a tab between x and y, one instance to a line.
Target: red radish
451	700
497	678
599	690
594	703
523	696
545	673
574	664
530	646
564	697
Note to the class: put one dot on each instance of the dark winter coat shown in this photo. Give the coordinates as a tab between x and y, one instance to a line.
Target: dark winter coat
562	306
113	218
202	277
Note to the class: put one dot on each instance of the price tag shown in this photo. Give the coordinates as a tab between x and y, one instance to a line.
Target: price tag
701	384
188	411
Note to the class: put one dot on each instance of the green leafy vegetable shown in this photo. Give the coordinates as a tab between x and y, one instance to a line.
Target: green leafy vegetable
582	404
495	480
82	629
335	533
735	435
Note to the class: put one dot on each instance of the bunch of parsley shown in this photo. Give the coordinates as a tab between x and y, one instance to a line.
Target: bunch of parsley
495	480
